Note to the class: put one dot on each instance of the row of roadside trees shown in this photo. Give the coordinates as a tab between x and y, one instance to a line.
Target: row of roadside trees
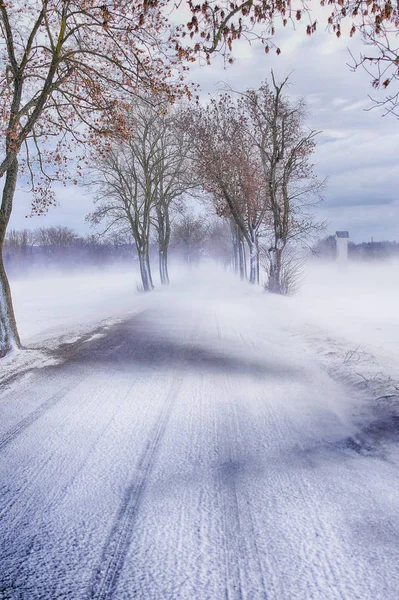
249	153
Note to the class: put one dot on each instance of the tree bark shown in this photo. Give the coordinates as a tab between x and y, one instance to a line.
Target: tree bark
163	224
145	268
253	264
275	254
163	265
9	337
241	257
236	256
254	258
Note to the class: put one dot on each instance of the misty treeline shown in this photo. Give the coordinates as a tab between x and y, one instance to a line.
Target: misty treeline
363	251
59	247
245	155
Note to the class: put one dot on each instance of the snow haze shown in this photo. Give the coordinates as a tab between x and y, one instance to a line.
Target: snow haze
204	441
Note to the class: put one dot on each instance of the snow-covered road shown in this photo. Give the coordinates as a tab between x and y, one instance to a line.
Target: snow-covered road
195	451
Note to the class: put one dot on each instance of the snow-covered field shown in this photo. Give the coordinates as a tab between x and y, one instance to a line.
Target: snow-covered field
358	304
351	320
54	304
206	442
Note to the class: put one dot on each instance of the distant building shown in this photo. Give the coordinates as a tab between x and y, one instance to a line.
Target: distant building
342	238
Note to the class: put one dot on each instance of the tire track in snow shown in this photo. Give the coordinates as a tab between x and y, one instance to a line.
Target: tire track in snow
116	547
236	517
317	569
227	493
251	539
311	554
314	558
36	414
57	499
118	541
238	524
56	496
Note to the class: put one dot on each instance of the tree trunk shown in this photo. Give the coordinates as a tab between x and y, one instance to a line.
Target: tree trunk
254	258
274	285
236	251
242	258
163	265
163	242
9	337
145	268
253	264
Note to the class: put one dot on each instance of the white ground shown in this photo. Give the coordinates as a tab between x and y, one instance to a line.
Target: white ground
204	442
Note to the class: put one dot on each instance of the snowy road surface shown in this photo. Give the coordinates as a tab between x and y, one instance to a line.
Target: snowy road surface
195	451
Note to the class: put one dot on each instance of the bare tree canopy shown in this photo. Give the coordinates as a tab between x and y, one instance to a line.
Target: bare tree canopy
230	168
172	178
76	63
253	155
217	25
138	176
64	64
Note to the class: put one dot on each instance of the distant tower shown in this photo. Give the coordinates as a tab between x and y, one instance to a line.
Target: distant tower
341	238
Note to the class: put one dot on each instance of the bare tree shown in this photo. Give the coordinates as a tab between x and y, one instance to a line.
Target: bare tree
126	179
172	177
284	146
231	171
189	237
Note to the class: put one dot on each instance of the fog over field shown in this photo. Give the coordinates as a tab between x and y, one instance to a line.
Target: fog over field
344	315
356	302
205	439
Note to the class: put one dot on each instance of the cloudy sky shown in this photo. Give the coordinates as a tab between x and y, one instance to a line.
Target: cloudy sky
357	149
